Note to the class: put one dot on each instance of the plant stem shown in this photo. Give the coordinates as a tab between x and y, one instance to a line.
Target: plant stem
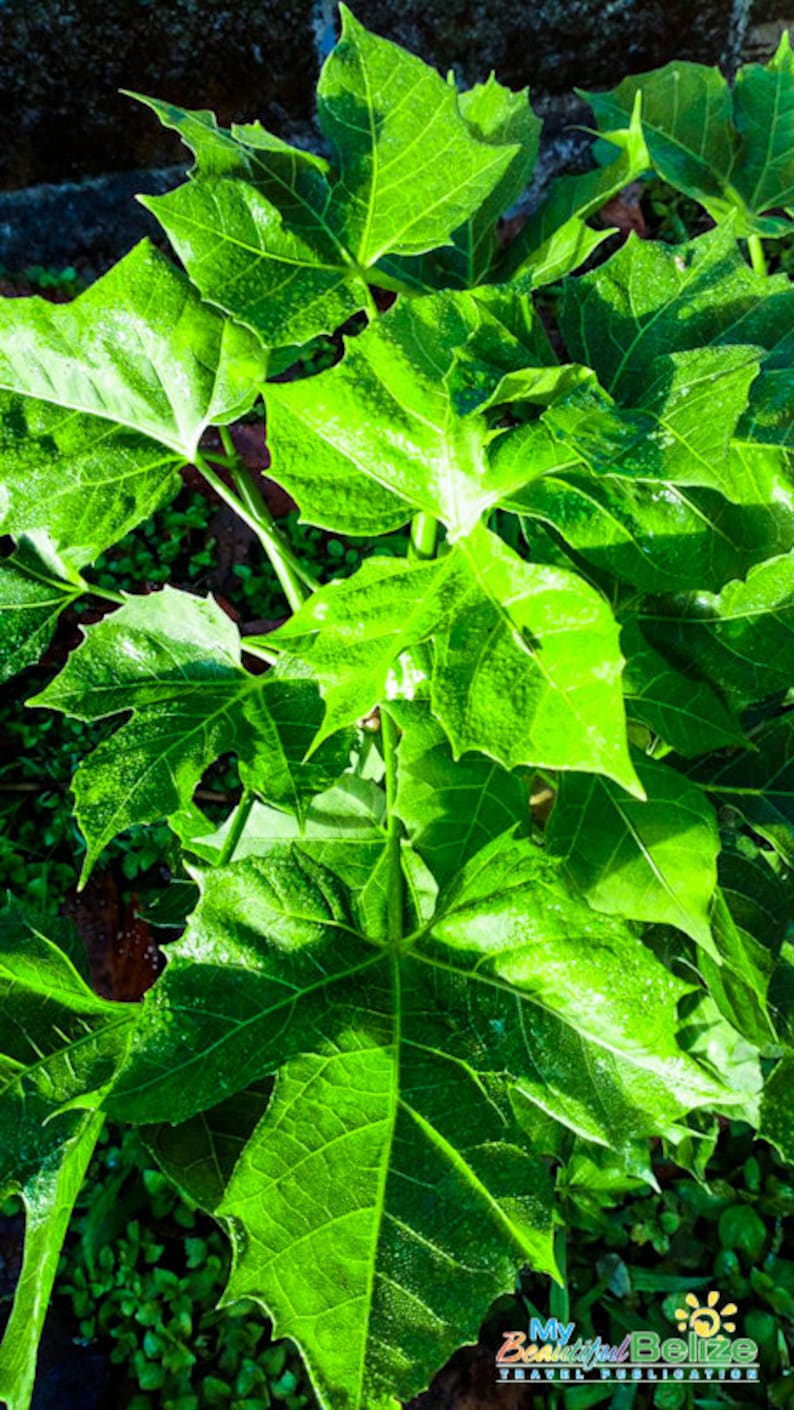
424	536
756	252
227	442
394	900
249	644
393	285
239	819
251	508
106	593
559	1301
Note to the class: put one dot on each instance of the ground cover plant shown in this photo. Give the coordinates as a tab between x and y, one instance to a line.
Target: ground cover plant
506	895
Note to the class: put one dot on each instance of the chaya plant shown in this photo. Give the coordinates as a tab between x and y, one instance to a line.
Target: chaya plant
411	992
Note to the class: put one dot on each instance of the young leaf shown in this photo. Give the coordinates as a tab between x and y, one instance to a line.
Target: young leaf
556	238
351	633
174	660
405	411
653	860
730	150
526	659
103	398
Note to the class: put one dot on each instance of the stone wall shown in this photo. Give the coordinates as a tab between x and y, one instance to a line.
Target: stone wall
62	62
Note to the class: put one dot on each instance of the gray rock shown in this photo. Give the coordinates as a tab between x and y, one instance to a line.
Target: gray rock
62	62
556	45
98	218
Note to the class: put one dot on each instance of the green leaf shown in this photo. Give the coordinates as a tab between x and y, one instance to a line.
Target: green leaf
661	539
103	398
451	809
776	1115
497	116
651	299
174	660
376	104
740	637
343	828
287	283
526	658
352	632
35	586
748	925
527	665
286	245
200	1154
759	783
681	430
58	1042
731	151
512	918
400	1148
556	239
251	228
406	408
687	713
651	861
48	1193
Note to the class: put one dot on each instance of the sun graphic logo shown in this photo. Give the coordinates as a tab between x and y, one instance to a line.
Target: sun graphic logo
706	1319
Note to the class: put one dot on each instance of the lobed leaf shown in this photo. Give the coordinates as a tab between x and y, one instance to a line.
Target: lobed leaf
687	713
759	783
739	637
526	663
401	423
35	587
287	245
59	1043
102	399
174	660
654	860
400	1148
729	149
556	238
